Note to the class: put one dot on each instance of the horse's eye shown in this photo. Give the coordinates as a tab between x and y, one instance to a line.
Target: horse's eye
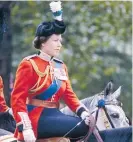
115	115
120	104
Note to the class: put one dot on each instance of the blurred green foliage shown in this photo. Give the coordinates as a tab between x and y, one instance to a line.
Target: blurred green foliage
96	44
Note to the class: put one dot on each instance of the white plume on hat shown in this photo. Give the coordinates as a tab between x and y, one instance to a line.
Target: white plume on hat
56	9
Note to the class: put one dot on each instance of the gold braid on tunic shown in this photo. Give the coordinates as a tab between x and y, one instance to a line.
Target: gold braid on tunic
45	74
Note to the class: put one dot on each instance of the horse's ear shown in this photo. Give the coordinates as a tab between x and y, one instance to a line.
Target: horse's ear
108	89
117	93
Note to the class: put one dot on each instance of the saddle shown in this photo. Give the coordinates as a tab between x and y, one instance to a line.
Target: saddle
10	138
54	139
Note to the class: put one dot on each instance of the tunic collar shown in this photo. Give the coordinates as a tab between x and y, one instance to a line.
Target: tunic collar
45	56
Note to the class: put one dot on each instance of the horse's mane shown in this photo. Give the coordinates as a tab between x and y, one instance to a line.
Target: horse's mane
87	100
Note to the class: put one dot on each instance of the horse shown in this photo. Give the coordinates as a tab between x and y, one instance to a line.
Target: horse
109	135
108	99
108	117
7	122
7	127
106	109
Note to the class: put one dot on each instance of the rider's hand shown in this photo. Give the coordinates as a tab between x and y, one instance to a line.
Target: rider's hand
88	118
10	112
85	116
28	135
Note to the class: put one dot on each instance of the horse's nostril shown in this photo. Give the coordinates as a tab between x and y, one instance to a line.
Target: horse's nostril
115	115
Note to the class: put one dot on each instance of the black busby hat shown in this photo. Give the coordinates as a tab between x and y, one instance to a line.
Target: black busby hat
55	27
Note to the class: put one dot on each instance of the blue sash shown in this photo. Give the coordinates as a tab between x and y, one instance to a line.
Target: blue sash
50	91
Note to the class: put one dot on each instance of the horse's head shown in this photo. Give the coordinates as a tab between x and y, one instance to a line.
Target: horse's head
109	108
114	109
109	100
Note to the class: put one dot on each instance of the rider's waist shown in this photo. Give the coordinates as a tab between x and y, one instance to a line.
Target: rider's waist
42	103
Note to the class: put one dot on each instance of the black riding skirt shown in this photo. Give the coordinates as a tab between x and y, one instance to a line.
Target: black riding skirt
53	123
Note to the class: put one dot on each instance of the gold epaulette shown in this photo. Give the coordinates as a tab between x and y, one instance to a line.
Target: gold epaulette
45	74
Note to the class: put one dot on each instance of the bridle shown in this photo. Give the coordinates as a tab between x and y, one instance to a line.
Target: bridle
92	129
102	105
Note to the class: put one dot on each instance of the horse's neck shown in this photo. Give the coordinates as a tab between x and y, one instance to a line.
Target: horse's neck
88	102
91	102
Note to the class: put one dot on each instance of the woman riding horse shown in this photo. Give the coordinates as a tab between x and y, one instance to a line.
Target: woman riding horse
41	81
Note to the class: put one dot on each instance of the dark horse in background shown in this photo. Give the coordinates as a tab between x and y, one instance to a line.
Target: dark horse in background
7	122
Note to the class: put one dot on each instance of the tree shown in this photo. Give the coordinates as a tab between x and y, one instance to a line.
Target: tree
5	46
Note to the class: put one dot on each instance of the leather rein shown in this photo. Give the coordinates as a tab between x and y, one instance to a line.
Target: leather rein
92	128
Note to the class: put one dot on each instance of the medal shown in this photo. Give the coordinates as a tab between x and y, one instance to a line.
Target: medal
60	74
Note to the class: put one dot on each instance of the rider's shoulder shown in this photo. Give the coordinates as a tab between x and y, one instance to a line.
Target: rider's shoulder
30	57
26	60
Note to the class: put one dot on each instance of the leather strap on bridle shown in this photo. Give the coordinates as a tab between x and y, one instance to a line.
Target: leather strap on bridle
106	121
101	104
96	115
104	108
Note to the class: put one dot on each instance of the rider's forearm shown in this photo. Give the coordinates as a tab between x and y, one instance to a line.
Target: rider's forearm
81	109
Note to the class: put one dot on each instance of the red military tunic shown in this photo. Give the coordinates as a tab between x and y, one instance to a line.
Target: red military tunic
26	78
3	106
